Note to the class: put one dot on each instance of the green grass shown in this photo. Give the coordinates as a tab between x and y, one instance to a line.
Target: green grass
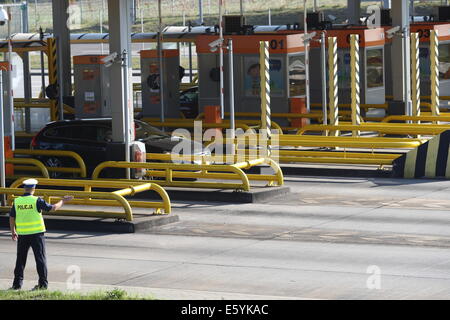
115	294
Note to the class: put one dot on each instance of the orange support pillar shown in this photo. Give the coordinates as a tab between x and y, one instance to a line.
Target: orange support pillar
212	115
298	106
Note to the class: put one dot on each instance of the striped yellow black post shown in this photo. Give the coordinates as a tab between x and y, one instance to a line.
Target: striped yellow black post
53	75
429	160
434	76
333	88
415	75
264	63
355	82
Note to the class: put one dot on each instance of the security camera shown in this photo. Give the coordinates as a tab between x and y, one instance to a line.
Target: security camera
310	36
213	46
4	17
110	59
391	32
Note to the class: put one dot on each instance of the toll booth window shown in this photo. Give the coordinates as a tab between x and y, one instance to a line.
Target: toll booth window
297	76
424	63
252	85
374	65
444	61
344	69
58	133
86	133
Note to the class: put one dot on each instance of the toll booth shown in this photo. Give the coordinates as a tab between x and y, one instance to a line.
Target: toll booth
423	29
287	72
92	85
372	65
151	84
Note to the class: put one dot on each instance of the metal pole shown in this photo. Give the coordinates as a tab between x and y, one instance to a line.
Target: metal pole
355	84
324	78
35	15
407	71
2	138
241	7
101	23
333	83
190	57
160	54
141	11
222	111
10	78
306	44
26	71
264	69
126	109
42	65
434	57
200	11
232	120
315	6
60	77
415	75
270	17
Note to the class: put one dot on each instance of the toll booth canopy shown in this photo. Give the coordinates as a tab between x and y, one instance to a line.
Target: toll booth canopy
287	72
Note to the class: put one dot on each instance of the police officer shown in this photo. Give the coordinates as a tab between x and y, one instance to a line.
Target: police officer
28	228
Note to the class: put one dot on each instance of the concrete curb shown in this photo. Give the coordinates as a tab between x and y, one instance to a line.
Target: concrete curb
139	224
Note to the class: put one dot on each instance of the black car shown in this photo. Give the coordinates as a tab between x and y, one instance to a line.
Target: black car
189	103
89	138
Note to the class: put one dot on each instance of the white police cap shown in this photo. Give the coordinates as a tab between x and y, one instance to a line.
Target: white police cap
30	183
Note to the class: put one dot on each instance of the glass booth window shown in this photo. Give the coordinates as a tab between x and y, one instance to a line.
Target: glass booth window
424	64
444	61
252	85
374	65
297	76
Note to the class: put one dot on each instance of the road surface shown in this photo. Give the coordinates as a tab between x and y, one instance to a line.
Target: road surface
332	238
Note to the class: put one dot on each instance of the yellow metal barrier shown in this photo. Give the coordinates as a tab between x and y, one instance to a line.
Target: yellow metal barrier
340	157
242	123
128	188
57	153
182	123
382	128
277	177
337	157
343	142
120	200
318	106
169	171
422	117
26	164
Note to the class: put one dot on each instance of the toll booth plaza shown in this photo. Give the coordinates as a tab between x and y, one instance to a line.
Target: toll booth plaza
235	160
287	72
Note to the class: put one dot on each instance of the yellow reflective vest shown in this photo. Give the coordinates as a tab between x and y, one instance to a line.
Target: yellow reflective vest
28	219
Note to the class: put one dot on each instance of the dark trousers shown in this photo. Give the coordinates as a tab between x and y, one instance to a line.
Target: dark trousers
37	243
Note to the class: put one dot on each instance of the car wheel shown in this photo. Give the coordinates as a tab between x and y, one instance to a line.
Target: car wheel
54	162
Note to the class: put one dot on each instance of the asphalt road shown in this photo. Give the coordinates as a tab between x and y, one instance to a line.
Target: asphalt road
332	238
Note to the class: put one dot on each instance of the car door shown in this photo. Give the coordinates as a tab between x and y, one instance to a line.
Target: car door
88	143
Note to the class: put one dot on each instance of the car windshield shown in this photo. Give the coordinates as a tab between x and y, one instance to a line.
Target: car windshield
144	131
